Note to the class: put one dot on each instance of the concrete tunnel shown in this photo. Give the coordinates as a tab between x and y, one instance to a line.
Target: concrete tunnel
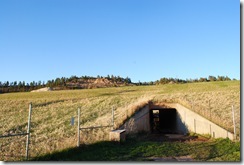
172	118
156	119
164	120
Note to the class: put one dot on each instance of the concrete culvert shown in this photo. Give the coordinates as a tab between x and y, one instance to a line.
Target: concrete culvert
167	121
156	119
163	120
172	118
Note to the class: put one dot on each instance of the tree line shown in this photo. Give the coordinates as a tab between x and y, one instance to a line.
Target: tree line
61	83
64	83
21	86
165	80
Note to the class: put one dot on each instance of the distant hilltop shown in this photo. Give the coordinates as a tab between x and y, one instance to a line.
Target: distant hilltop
88	82
63	83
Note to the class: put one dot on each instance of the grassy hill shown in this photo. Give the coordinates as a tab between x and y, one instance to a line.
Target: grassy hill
52	112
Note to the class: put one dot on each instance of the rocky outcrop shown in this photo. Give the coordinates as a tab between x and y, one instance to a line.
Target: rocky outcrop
94	83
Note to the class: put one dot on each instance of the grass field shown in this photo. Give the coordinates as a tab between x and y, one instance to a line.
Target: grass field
52	111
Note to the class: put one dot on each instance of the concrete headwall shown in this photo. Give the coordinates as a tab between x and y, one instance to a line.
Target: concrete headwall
198	124
140	121
187	121
181	126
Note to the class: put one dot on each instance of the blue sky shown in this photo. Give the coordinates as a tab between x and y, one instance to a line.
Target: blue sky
142	39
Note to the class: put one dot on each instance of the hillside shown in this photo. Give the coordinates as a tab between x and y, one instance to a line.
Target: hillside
63	83
52	111
89	82
92	83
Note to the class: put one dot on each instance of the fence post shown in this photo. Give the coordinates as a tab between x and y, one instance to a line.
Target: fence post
210	131
234	123
28	132
195	125
112	117
78	140
209	110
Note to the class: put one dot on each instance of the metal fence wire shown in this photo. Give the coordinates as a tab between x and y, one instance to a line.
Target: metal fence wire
13	142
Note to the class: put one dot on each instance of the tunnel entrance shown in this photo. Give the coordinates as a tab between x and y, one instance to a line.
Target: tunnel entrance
163	120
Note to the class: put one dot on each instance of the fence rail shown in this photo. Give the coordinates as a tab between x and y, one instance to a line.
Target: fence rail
95	127
12	135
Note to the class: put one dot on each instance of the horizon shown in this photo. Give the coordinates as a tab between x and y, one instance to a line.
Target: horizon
144	40
133	82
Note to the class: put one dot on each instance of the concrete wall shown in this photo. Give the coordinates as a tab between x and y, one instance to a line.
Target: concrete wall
181	126
187	121
198	124
140	121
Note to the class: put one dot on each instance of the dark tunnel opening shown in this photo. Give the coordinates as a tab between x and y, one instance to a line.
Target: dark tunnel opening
163	120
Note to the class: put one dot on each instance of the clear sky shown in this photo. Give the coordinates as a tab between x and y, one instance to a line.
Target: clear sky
142	39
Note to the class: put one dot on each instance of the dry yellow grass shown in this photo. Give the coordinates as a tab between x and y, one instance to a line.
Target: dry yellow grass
52	112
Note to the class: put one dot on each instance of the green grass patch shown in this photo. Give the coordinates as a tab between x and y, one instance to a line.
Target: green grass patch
139	149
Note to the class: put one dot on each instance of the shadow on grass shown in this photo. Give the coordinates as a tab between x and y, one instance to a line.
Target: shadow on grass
100	151
137	148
